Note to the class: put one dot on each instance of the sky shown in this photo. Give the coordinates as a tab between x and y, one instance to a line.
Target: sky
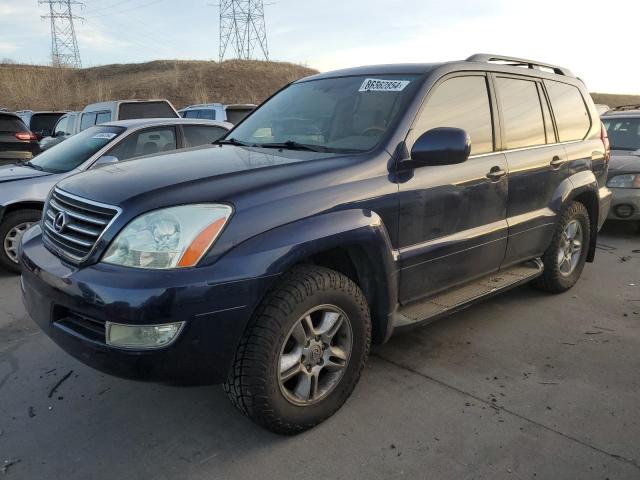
589	37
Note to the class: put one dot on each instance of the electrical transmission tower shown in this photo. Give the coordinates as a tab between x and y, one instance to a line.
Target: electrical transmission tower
64	46
242	26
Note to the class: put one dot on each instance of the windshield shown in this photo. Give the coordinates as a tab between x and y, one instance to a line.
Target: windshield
624	133
334	114
73	152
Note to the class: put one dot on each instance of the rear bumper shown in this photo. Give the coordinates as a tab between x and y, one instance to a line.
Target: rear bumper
622	199
215	315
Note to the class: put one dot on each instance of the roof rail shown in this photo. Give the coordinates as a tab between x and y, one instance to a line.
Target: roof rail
519	62
625	107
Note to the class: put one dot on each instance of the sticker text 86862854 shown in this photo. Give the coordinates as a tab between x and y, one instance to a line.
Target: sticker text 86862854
377	85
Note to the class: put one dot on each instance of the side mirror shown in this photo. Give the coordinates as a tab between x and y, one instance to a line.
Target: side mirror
105	160
59	133
441	146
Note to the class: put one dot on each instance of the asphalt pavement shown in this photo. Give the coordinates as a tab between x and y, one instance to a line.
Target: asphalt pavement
524	385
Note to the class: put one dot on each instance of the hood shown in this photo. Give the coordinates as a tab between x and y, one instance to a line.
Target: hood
203	174
9	173
624	162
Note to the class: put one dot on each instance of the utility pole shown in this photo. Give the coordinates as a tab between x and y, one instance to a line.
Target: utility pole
242	25
64	45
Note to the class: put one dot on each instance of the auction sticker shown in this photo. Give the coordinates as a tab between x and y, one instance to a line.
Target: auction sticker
105	135
376	85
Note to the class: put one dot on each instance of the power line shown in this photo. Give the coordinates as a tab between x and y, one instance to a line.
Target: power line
64	45
242	25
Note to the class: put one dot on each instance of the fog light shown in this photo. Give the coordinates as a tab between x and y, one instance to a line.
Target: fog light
624	210
142	336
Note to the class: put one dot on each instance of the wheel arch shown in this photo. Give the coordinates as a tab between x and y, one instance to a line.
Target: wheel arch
23	205
353	242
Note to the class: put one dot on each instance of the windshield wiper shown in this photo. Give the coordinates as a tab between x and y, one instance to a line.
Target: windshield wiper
231	141
291	145
25	163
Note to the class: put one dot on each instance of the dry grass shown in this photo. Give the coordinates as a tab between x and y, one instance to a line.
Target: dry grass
182	82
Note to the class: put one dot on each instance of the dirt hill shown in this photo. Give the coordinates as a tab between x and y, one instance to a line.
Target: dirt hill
615	100
182	82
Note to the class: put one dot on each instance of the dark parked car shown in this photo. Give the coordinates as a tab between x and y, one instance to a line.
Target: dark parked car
24	187
349	205
40	123
17	143
623	127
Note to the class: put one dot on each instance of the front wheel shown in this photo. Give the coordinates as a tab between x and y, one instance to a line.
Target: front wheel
565	258
12	228
302	354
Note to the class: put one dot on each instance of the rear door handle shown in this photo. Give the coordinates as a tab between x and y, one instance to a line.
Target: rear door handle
496	173
556	162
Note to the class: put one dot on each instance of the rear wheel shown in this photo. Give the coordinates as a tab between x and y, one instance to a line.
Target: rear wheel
12	228
302	354
565	258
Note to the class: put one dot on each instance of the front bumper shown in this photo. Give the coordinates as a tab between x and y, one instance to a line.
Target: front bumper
625	197
71	304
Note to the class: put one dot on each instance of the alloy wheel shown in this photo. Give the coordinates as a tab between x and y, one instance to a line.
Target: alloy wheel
570	248
315	355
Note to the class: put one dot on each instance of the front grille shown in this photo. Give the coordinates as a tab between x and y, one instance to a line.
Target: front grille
77	324
73	225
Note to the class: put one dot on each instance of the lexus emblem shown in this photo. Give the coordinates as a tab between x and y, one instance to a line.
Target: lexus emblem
60	222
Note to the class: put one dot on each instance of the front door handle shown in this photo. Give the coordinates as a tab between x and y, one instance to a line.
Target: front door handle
556	162
496	173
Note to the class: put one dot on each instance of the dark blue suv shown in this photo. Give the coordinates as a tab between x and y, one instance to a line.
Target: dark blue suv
347	206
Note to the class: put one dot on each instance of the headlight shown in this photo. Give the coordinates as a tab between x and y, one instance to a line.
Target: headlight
630	180
173	237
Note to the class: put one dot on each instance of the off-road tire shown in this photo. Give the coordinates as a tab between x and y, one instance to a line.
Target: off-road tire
551	279
10	221
252	384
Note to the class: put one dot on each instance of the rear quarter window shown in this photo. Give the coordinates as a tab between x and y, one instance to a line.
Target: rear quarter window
128	111
569	109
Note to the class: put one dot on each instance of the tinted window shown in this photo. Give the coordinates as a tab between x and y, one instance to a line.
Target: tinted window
88	120
9	123
103	117
71	153
191	114
570	111
461	102
521	113
61	127
624	133
145	110
207	114
332	114
200	135
42	123
145	142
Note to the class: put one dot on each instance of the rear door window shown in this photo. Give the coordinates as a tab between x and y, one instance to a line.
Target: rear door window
569	109
522	119
103	117
128	111
191	114
196	135
145	142
207	114
88	120
460	102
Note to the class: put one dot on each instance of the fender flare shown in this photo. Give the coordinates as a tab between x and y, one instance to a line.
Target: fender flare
361	232
582	186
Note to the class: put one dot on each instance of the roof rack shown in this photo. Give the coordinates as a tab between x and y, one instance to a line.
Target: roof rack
625	107
519	62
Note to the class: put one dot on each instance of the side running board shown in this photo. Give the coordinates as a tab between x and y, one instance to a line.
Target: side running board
430	309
